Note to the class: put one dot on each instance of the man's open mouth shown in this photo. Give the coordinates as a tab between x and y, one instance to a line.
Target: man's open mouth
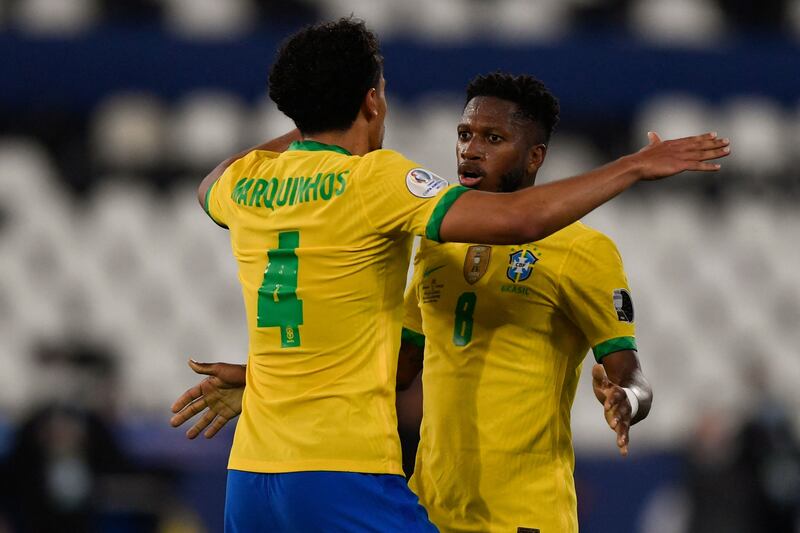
469	178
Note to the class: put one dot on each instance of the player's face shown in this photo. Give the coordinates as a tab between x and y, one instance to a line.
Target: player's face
378	125
494	145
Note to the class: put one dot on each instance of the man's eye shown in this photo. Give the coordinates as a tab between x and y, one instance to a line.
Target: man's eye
463	135
495	138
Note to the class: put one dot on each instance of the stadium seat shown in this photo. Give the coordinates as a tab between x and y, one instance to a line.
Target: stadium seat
383	16
677	22
568	155
793	17
266	122
26	168
759	127
209	19
206	128
128	132
442	21
55	17
523	21
673	115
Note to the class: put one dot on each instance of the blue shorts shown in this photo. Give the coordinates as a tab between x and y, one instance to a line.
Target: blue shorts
314	502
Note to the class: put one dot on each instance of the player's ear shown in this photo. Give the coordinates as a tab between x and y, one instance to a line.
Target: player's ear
370	105
536	155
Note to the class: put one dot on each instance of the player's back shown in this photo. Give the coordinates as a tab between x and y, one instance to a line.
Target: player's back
322	240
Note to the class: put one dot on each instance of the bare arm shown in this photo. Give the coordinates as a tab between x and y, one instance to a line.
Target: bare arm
621	369
279	144
536	212
409	364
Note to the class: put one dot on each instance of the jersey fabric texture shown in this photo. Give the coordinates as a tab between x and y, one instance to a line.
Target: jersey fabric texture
343	502
322	240
505	330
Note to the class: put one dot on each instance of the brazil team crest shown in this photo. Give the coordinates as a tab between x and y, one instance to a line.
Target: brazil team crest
520	265
476	262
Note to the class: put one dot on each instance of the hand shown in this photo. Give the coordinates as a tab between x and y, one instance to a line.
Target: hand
617	409
220	395
660	159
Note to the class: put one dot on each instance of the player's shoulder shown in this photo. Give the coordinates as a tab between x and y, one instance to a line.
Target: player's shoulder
389	160
251	159
579	234
258	156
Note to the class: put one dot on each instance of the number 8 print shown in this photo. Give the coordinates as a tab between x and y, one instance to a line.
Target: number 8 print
465	307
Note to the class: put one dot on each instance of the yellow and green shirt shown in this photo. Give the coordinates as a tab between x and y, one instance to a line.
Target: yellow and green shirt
505	330
322	239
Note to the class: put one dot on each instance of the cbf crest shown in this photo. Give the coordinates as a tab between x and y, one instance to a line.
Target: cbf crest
520	265
476	262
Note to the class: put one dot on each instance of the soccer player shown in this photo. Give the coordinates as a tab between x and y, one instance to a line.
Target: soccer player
322	235
505	330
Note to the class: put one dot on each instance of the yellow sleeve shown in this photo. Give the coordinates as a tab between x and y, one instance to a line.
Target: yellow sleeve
412	317
398	195
231	187
597	296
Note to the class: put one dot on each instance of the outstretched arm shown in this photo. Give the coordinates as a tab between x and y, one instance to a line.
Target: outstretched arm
618	372
279	144
219	396
533	213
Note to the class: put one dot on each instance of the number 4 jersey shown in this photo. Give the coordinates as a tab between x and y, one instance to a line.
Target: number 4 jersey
506	329
322	240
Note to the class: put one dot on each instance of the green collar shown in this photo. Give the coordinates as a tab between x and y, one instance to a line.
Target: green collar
314	146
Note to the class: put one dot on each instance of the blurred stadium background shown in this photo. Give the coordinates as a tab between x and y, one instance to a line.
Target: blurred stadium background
111	276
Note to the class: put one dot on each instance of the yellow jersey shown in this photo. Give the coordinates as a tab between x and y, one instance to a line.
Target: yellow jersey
505	330
322	239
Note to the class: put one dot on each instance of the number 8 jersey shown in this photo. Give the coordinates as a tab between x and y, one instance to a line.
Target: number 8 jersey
322	239
506	329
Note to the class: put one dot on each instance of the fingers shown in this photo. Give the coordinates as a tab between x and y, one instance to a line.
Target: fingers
616	399
207	369
599	376
623	438
186	398
218	424
653	137
201	424
188	412
618	415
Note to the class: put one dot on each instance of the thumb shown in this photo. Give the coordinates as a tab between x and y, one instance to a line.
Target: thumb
599	376
202	368
653	137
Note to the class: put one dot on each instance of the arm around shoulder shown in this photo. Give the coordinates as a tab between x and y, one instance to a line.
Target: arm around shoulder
278	144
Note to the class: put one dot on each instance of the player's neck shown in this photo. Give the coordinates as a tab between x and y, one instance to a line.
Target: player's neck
353	140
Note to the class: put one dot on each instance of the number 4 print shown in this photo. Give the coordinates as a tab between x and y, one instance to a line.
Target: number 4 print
278	305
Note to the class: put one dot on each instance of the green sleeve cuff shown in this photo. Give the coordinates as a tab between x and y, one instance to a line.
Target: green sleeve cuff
613	345
205	205
435	222
418	339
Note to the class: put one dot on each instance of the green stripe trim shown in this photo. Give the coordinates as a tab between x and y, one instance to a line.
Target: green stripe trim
314	146
205	205
418	339
613	345
435	222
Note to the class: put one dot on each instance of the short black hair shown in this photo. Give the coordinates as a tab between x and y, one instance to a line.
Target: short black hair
534	100
322	73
